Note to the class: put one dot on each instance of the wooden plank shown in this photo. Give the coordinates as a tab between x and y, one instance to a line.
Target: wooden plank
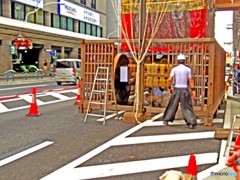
223	134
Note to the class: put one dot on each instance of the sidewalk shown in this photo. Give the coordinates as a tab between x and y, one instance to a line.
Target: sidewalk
20	78
231	110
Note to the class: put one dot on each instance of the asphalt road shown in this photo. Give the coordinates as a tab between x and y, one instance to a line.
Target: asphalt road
130	151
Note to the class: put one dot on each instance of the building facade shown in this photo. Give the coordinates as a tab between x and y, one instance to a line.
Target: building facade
34	30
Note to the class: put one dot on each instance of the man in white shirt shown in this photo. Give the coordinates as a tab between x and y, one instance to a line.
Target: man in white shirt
181	77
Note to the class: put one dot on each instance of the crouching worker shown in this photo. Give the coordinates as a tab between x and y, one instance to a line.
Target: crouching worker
181	77
155	96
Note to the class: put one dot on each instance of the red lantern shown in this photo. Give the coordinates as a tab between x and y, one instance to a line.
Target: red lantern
22	42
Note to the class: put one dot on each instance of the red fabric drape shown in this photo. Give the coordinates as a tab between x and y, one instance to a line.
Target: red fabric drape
191	24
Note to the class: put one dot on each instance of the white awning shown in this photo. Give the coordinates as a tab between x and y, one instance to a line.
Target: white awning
45	29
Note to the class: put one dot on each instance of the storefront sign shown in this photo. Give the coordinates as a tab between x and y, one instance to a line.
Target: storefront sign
35	3
78	12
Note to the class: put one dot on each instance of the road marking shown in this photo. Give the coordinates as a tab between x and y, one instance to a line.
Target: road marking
110	116
24	153
182	122
28	98
218	167
123	168
166	138
3	108
57	95
70	171
23	87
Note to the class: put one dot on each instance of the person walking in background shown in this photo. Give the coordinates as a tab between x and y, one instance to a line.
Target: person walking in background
45	67
181	77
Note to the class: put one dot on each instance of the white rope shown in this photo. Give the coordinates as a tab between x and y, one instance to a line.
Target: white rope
141	43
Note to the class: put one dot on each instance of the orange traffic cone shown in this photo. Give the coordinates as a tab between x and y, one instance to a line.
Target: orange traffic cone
235	149
192	166
237	144
33	111
78	94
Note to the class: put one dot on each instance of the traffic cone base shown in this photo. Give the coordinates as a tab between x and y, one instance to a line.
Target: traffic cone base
192	166
33	111
78	94
78	99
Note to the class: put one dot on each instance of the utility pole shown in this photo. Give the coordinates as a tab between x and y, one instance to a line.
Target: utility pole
142	21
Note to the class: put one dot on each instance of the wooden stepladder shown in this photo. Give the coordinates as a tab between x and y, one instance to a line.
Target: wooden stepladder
101	91
232	144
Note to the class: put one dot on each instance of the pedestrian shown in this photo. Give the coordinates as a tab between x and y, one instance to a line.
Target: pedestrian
155	96
51	69
181	77
45	67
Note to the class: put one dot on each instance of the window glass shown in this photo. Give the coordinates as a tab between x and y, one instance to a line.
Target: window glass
30	17
99	32
93	4
0	7
40	17
55	21
78	65
88	29
63	22
82	27
70	24
83	2
94	30
18	11
64	64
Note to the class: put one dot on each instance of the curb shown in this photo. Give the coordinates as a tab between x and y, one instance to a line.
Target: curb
234	98
22	80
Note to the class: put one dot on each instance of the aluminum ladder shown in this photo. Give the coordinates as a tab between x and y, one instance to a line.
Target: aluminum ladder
233	131
102	78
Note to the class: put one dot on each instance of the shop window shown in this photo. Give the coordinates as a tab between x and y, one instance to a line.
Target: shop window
82	27
30	17
94	30
18	11
55	21
88	29
39	17
93	4
0	7
70	24
83	2
63	23
99	32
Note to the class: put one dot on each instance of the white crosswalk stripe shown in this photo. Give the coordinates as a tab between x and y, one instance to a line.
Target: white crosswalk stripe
28	98
72	171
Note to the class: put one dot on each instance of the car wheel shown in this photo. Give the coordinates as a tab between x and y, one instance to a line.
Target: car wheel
59	83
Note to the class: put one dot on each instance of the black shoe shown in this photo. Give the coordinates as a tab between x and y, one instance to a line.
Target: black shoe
190	126
165	123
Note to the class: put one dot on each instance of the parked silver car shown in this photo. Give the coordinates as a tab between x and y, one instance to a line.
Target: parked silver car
67	71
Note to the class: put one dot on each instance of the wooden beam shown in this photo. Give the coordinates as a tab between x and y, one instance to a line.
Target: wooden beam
227	6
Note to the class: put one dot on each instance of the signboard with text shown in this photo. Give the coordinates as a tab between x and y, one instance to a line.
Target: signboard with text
78	12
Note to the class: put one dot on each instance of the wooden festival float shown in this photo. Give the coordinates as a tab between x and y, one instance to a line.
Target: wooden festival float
149	56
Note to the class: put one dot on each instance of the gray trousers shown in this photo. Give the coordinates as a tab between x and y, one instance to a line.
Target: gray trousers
182	96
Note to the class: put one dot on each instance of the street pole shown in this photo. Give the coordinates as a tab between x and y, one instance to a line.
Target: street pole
142	22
